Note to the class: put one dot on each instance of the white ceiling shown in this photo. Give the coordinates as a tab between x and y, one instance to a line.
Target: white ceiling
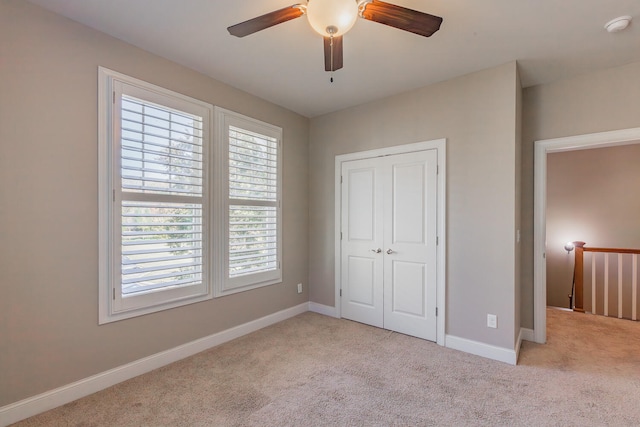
551	39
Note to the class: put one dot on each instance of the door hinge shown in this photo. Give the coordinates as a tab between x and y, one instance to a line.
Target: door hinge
436	311
114	97
437	240
114	293
437	169
114	195
340	292
341	235
340	179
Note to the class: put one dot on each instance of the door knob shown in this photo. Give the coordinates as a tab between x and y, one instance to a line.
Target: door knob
389	251
377	251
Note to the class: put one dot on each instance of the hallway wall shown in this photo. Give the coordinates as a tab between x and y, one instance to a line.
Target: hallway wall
591	197
594	102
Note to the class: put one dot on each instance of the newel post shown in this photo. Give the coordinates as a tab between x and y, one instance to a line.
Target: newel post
579	277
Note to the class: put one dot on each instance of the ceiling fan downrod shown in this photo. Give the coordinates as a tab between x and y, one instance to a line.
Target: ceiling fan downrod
331	30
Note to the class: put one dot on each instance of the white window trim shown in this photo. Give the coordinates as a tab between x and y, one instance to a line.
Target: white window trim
223	119
109	204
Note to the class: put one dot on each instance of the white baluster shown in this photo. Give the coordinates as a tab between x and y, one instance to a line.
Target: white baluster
606	284
634	287
619	286
593	283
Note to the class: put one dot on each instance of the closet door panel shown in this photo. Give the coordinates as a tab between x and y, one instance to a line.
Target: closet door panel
410	244
361	262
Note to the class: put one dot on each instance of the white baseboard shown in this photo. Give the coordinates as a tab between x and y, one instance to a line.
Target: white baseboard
527	334
518	345
51	399
323	309
500	354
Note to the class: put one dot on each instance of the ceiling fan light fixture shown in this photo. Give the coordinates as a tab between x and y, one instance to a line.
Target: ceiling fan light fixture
332	17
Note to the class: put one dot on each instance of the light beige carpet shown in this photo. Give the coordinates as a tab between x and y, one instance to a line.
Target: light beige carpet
314	370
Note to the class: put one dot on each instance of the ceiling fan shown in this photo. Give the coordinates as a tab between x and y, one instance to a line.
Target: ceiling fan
333	18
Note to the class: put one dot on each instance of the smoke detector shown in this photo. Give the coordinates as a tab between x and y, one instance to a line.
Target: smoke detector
618	24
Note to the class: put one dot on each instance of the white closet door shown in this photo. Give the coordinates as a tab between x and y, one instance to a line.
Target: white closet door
410	197
388	247
362	234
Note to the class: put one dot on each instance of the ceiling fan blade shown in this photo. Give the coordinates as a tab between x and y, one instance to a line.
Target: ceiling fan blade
336	63
402	18
265	21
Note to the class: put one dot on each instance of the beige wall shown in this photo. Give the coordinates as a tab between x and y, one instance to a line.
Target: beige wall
595	102
591	197
477	115
49	334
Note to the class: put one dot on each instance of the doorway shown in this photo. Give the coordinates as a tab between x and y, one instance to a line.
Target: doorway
542	148
390	238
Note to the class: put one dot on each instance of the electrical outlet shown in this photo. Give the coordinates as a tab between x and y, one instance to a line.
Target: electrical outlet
299	288
492	321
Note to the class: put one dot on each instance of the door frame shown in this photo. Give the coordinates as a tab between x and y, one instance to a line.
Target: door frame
440	145
542	148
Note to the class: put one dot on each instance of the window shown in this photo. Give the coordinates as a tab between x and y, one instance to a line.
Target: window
183	216
252	205
154	198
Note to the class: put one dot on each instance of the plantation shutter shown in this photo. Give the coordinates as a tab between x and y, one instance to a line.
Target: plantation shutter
161	178
156	229
253	207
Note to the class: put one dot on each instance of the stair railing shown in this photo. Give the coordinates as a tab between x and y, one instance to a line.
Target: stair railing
578	293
